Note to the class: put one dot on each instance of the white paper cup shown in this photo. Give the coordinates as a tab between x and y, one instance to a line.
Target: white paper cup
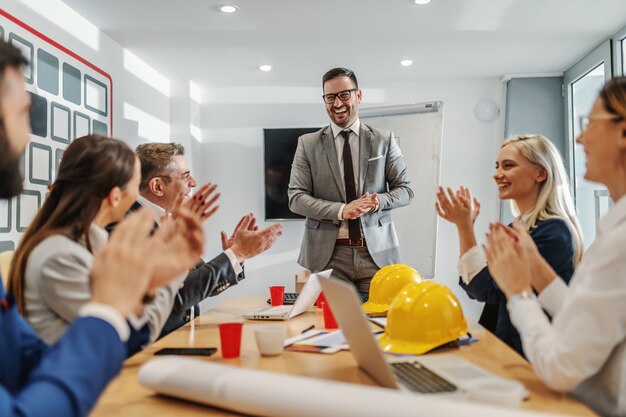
270	339
502	392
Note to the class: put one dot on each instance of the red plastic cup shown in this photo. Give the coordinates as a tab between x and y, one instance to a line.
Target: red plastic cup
329	318
230	338
321	299
277	293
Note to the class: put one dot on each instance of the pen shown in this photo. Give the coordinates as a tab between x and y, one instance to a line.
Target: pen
308	328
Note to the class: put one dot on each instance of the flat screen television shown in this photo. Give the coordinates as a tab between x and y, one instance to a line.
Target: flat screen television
279	148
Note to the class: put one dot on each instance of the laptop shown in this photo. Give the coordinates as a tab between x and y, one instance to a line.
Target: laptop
305	301
442	374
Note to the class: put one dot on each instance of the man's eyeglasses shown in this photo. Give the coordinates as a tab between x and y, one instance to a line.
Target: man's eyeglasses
343	96
185	176
584	121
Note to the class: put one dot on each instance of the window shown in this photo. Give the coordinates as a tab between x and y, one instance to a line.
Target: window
583	82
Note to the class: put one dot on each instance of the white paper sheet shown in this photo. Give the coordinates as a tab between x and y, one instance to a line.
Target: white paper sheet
261	393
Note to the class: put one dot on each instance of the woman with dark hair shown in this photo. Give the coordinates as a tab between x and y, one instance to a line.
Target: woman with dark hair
583	349
97	182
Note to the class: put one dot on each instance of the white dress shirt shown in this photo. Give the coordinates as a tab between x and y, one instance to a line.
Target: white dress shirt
471	263
583	350
354	150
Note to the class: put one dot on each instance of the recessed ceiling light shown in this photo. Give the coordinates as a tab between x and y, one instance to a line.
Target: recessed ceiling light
421	1
406	62
265	68
228	8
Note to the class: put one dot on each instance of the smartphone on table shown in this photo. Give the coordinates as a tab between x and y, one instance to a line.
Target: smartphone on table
187	351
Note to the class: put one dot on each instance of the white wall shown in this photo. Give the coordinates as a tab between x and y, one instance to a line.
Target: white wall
146	107
232	156
141	101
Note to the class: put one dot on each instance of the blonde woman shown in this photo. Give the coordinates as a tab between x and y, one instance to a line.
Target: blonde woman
583	349
529	173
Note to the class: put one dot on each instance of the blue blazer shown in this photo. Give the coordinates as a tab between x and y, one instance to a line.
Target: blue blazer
554	242
63	380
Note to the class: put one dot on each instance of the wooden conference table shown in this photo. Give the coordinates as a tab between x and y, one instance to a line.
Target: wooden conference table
125	397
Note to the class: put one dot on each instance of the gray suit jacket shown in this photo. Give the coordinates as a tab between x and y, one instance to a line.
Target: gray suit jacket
58	284
316	191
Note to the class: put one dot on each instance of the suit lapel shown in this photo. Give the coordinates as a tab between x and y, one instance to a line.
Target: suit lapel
333	160
365	147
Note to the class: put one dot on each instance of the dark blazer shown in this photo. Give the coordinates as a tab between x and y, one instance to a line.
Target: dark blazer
554	242
63	380
206	279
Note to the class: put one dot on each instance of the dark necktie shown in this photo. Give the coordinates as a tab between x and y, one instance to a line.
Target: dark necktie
354	226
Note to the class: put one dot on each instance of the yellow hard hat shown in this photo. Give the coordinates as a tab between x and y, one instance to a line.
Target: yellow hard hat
388	282
422	317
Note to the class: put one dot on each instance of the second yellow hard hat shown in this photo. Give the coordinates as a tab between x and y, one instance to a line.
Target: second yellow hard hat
423	316
388	282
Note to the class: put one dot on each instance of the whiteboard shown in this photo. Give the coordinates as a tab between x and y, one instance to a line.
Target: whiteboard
419	130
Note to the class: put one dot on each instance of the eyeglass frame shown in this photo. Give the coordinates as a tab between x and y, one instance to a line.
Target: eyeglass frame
335	95
186	176
585	121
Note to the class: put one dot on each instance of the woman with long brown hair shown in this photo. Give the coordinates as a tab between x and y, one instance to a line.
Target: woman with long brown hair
98	180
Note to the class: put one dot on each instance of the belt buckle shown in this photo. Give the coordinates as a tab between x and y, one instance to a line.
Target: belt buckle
357	244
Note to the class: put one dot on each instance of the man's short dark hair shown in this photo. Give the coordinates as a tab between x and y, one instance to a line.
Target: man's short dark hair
10	56
340	72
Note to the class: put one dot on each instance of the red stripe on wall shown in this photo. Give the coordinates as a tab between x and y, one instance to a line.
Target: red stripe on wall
70	53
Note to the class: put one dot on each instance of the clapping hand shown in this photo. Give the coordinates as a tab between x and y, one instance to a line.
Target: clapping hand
201	204
458	208
248	240
123	267
227	242
507	261
362	205
182	246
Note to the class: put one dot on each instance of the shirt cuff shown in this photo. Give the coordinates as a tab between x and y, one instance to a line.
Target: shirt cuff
471	263
110	315
233	261
553	295
525	314
339	216
137	322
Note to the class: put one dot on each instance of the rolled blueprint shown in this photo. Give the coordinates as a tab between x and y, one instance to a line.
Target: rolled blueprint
262	393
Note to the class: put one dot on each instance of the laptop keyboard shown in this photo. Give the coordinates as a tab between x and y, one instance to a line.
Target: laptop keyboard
290	298
416	377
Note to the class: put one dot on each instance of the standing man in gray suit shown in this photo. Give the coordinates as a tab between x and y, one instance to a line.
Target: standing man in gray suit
345	179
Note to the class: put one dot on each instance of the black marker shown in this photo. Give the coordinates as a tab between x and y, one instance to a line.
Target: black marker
308	328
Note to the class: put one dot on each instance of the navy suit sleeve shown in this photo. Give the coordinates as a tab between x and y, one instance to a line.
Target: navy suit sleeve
31	348
205	280
66	379
554	242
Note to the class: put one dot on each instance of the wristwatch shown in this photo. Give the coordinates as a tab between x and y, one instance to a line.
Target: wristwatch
516	298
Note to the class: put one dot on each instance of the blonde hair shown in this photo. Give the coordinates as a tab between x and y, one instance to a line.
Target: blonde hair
554	200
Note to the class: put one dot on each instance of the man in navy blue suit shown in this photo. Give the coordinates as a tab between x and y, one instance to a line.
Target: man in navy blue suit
65	379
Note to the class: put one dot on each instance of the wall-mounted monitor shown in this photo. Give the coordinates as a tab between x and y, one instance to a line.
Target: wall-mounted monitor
279	147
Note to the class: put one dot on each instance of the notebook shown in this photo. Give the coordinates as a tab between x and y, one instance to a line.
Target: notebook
305	301
441	374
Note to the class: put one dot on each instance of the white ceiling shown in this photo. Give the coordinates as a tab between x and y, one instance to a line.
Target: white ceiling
191	39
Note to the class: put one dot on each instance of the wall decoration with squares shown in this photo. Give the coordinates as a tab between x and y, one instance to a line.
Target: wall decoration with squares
71	97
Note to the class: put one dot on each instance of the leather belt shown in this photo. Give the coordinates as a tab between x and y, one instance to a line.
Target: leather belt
354	244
